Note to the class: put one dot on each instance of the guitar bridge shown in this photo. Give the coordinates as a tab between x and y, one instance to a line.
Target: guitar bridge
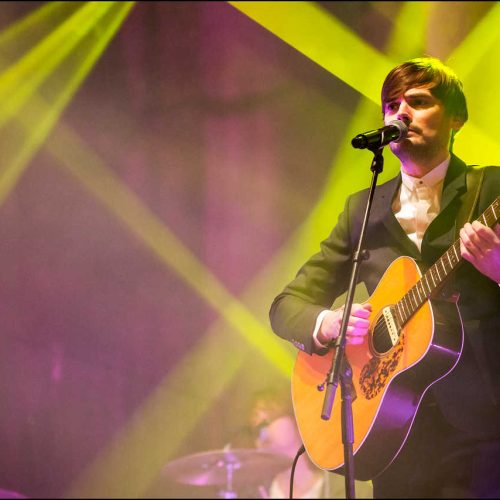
385	333
390	323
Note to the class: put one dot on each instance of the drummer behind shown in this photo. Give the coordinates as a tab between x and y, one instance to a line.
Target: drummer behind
275	430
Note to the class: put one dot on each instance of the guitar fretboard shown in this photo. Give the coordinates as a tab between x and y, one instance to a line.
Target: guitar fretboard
439	271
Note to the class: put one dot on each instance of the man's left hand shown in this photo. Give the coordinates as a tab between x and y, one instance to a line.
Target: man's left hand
480	245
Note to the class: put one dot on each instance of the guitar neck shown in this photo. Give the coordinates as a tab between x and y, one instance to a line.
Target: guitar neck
439	271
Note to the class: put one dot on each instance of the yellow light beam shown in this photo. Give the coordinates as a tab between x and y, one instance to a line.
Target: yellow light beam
23	34
404	43
41	118
160	399
368	115
318	35
135	456
145	416
484	35
152	424
113	463
89	169
106	474
47	118
148	227
190	266
20	81
478	141
322	38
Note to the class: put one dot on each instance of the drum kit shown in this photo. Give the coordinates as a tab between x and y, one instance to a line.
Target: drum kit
228	469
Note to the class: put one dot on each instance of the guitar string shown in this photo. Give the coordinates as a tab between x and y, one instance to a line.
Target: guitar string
488	218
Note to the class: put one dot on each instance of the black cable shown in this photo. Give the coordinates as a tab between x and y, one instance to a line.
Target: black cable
292	473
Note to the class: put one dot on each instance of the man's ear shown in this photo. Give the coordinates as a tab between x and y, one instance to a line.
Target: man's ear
456	124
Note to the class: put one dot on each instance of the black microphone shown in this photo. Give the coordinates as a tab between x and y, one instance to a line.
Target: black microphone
374	139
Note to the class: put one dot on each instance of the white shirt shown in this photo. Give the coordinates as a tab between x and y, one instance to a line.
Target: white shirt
419	201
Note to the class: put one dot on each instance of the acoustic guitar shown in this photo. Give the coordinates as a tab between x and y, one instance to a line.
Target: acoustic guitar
415	339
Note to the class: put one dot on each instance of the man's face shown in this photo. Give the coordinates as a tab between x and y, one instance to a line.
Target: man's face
428	123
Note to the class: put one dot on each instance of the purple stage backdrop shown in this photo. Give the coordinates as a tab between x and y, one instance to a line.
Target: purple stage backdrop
226	134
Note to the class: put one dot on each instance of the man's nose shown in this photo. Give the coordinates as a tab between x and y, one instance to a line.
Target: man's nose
404	113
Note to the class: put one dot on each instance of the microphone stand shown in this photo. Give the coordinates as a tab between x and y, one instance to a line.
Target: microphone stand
340	368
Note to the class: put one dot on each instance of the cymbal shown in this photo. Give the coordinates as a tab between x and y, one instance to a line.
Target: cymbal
237	466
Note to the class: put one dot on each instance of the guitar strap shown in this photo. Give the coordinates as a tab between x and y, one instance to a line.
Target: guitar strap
474	178
465	214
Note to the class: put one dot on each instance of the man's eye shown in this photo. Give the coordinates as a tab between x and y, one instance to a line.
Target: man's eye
420	103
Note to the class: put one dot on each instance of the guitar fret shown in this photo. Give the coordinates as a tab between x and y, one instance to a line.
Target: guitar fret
445	262
418	292
451	258
405	305
450	268
432	276
410	305
494	213
413	302
404	316
435	275
437	270
487	218
442	261
398	314
415	298
455	249
416	295
429	289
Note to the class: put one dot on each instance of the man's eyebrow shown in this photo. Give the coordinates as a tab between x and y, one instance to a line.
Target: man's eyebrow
419	95
391	100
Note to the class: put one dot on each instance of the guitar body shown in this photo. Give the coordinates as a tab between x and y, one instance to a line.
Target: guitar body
389	385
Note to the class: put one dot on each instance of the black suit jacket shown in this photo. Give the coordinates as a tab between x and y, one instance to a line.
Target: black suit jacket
470	396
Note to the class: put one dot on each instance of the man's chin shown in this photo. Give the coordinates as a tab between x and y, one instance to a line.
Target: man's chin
403	147
408	146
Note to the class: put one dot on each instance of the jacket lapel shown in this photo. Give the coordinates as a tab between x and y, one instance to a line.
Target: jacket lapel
383	214
440	234
453	187
454	183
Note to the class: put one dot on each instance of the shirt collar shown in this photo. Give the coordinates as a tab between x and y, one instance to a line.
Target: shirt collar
430	179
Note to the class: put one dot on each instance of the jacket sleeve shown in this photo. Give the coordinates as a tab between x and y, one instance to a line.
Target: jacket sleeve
317	284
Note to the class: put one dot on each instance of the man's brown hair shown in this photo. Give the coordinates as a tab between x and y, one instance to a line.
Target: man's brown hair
430	73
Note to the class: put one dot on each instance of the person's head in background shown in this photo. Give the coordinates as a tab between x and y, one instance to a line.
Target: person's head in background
273	420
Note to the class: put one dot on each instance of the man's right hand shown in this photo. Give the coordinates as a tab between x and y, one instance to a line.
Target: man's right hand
357	327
